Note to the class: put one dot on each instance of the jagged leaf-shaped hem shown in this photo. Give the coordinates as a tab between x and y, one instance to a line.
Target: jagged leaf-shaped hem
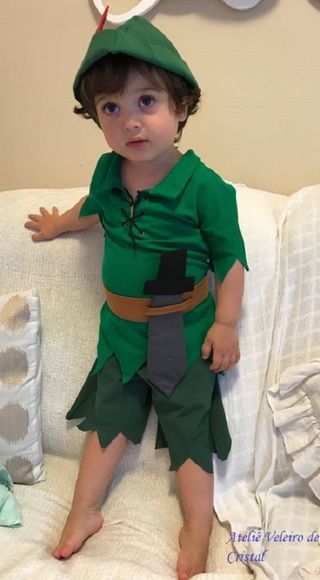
104	439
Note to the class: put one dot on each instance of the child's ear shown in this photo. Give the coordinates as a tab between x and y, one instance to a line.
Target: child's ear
183	113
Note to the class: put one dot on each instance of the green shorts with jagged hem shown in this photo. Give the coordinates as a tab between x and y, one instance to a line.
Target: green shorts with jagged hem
191	422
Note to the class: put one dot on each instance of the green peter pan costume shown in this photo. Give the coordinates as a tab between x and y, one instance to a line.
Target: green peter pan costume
191	209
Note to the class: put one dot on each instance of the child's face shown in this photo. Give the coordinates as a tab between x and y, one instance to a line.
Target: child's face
138	124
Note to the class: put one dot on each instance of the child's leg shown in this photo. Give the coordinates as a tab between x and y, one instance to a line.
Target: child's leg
95	473
196	493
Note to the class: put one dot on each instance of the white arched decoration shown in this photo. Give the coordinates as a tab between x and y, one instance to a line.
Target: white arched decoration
241	4
139	10
143	6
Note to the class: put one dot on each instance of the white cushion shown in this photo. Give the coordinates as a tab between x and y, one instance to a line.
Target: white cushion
20	386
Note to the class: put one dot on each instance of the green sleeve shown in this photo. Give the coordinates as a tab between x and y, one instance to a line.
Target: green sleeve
218	217
89	207
91	204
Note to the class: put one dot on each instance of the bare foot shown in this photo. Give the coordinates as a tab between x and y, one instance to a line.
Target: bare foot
79	526
194	545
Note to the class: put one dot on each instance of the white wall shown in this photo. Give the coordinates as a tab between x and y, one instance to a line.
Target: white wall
259	70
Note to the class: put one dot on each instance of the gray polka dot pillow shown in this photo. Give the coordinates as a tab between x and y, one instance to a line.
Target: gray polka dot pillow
20	387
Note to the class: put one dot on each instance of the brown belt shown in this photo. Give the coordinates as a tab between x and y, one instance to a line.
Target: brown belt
139	309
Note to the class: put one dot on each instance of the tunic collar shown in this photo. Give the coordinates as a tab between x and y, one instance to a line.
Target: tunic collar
172	184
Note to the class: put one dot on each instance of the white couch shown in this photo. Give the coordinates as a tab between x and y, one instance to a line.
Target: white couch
258	488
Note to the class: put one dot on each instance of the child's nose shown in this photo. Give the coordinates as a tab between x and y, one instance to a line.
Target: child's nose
131	122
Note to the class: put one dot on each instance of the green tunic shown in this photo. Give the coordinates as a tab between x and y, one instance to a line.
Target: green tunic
192	208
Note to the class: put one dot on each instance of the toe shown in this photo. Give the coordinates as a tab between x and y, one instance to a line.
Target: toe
182	570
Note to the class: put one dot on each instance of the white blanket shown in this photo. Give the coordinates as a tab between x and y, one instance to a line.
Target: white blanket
286	459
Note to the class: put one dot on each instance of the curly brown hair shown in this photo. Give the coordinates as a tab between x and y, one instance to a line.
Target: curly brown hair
110	75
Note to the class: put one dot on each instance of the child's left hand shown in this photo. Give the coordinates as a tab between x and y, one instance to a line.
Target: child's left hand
223	342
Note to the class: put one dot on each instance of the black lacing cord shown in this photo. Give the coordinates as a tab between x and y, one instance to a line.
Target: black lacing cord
131	220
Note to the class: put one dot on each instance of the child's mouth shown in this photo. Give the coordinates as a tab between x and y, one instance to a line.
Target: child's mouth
137	142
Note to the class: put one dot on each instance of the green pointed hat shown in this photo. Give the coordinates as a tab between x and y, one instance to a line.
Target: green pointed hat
137	38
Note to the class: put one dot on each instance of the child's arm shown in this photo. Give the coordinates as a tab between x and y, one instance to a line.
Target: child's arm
222	337
50	225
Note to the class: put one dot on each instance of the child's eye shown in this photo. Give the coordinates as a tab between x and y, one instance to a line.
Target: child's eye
110	108
146	101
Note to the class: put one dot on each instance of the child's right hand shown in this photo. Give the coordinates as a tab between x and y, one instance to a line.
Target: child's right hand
46	225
